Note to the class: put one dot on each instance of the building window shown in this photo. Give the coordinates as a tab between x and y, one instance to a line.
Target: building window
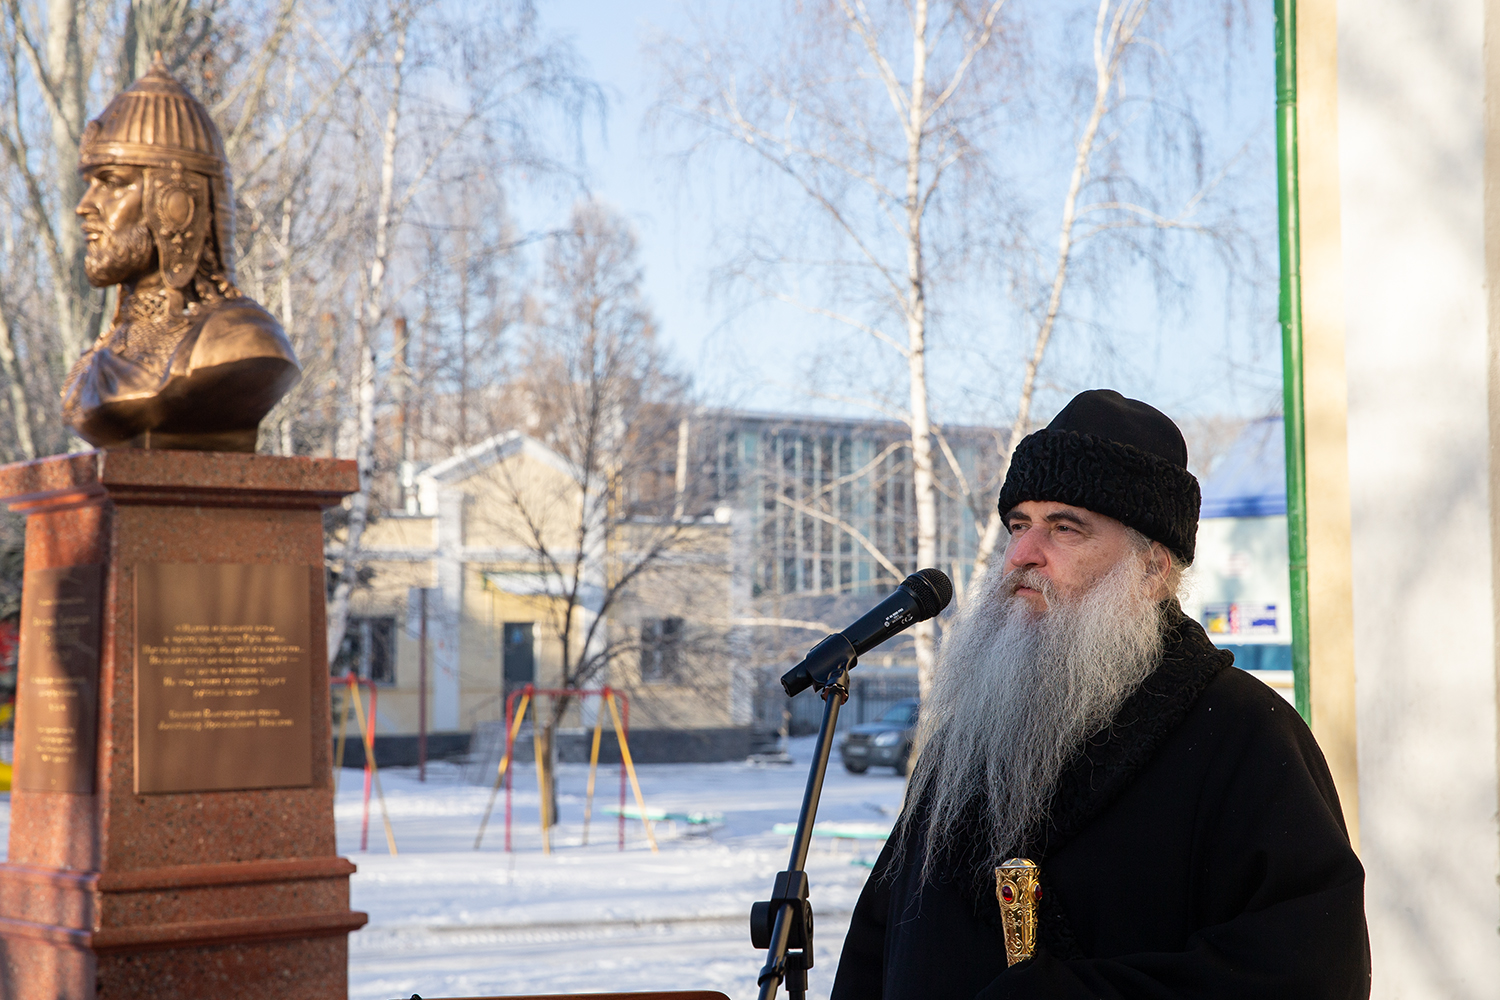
368	650
661	647
518	655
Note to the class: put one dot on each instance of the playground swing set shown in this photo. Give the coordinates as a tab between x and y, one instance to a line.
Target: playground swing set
618	704
367	736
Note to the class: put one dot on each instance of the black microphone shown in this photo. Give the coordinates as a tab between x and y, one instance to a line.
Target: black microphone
920	597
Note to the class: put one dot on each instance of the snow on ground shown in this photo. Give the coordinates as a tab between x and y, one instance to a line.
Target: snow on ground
449	921
446	921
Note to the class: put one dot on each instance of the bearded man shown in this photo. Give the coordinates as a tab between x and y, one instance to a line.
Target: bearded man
1189	837
189	361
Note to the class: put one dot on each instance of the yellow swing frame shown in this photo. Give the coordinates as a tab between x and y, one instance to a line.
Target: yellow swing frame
515	716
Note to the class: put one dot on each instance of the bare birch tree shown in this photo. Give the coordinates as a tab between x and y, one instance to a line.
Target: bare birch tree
1102	204
53	52
872	116
369	311
20	407
178	29
595	387
505	76
889	122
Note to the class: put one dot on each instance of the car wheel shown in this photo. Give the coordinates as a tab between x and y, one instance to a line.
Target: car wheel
903	761
854	768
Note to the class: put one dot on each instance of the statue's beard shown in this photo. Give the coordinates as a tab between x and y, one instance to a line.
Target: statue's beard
1016	693
119	257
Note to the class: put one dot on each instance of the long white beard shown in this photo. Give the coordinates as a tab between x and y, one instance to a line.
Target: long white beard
1015	694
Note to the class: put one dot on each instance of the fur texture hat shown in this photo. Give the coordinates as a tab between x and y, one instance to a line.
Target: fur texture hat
1115	456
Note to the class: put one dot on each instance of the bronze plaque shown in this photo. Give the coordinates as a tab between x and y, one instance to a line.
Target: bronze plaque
57	699
223	678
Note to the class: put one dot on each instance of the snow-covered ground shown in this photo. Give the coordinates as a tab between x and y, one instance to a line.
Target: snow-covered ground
449	921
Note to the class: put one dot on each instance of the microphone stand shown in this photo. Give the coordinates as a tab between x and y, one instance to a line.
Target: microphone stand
784	923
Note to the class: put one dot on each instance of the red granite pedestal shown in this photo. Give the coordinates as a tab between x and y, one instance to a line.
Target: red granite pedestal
183	894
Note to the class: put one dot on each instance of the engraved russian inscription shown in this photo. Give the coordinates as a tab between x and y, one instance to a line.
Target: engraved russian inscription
58	684
223	696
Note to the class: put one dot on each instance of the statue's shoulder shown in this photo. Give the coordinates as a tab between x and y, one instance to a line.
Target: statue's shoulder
237	329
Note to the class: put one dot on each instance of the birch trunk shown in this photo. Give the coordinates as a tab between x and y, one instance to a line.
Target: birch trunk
20	410
370	314
1111	35
921	107
924	488
78	310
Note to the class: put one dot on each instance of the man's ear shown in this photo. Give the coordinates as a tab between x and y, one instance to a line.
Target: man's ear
1159	568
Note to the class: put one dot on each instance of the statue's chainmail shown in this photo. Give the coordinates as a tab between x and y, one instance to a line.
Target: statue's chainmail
145	331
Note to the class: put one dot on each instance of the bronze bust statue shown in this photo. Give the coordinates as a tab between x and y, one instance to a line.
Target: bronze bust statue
189	362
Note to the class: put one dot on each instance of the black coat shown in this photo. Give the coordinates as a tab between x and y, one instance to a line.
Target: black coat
1195	849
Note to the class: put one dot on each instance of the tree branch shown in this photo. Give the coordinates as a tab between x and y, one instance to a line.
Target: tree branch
847	528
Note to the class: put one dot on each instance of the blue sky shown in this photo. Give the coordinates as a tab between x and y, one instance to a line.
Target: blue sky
1213	351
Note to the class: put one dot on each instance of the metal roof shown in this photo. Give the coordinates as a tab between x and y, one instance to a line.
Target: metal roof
1250	479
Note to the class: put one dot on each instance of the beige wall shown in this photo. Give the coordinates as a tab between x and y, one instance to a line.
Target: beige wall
498	497
691	582
1330	596
1415	205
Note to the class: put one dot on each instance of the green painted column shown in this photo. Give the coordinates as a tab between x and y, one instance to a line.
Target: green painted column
1291	341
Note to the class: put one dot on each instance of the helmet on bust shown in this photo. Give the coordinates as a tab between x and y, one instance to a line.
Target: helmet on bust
157	124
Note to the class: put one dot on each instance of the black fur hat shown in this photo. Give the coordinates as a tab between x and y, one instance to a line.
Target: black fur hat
1115	456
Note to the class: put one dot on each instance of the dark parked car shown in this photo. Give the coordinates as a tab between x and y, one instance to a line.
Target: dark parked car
883	743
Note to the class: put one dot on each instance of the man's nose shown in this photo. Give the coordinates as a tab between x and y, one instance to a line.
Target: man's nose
1024	551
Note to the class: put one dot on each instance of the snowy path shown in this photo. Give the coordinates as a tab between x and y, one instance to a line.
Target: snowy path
447	921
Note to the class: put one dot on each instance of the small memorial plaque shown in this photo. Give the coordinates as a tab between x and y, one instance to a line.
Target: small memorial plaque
57	700
223	677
